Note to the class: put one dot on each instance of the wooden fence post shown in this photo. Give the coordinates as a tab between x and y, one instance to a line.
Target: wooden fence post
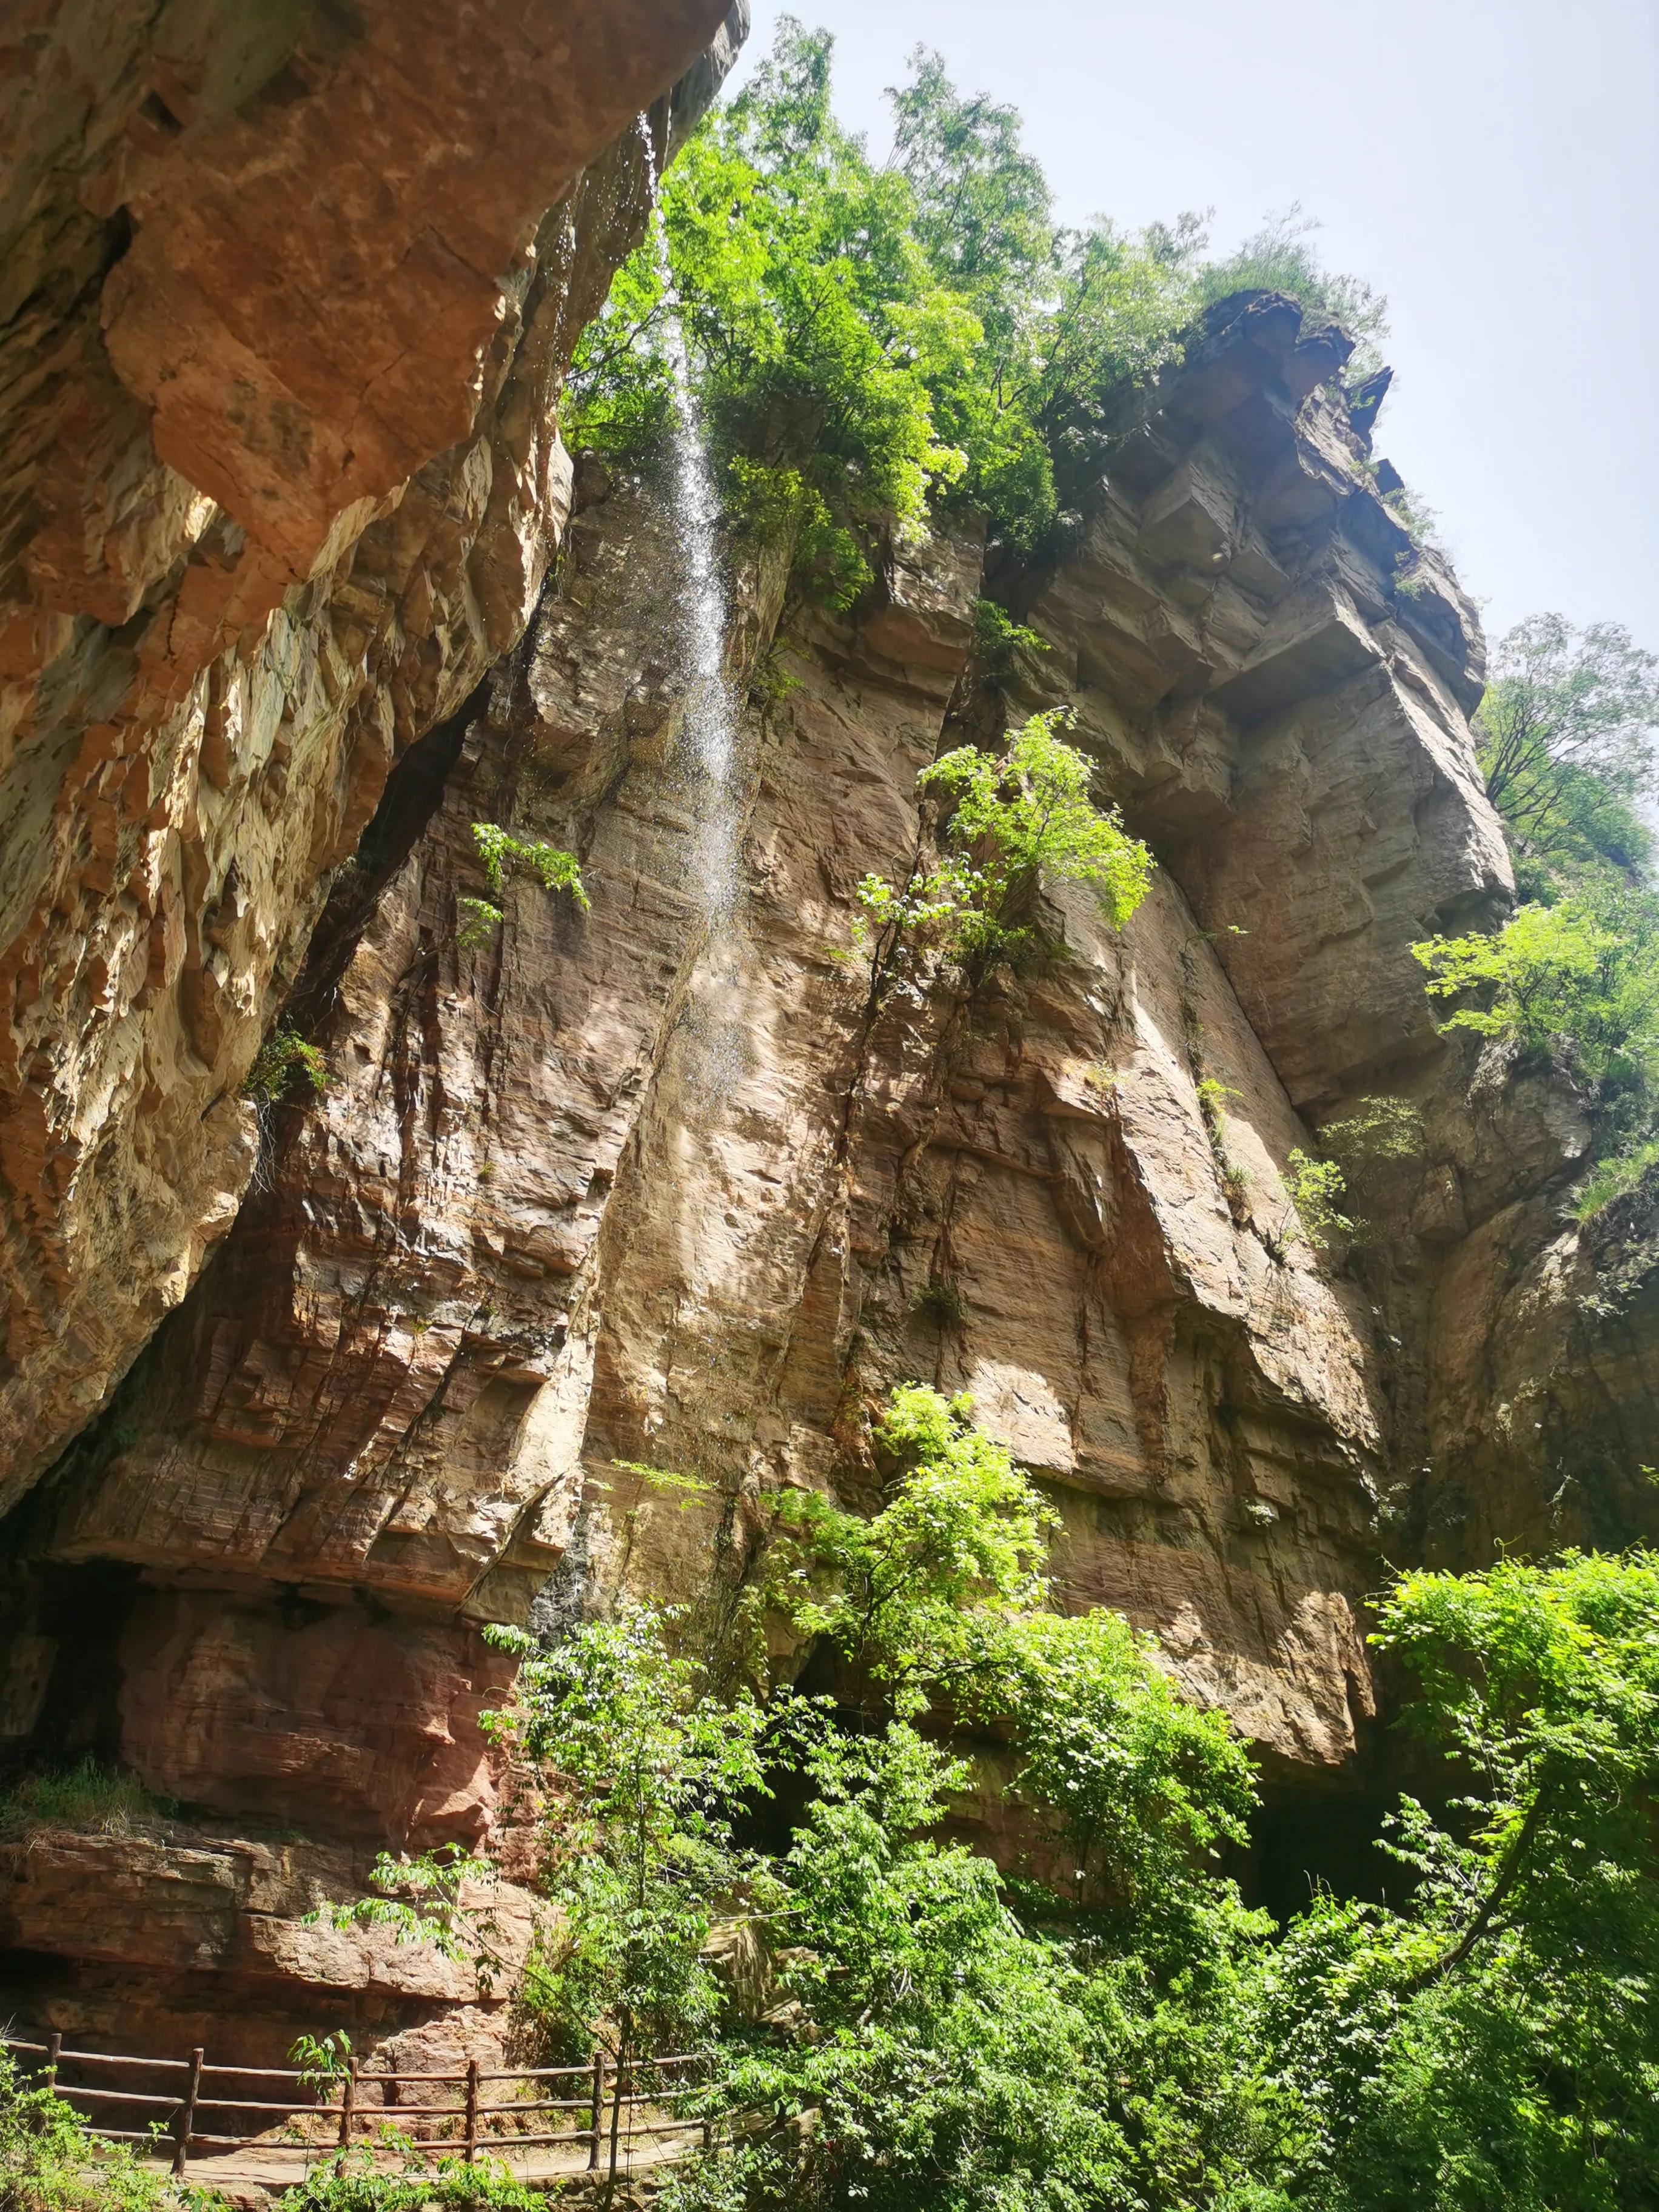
187	2112
598	2111
348	2101
392	2091
54	2045
472	2151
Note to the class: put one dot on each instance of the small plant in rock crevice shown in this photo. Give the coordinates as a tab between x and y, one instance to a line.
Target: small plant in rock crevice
1213	1097
505	855
285	1068
942	1301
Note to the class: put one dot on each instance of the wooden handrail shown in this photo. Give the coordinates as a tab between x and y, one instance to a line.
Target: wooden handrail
482	2129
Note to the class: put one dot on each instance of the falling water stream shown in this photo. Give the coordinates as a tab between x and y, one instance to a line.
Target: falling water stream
708	733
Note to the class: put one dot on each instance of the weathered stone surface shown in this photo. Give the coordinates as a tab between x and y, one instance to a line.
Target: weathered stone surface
201	1937
282	479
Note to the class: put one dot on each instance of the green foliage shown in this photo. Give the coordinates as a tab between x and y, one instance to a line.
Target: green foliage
1027	814
1213	1095
1499	2042
911	1596
1013	818
1569	742
1613	1177
50	2162
479	920
356	2181
1580	977
94	1799
1379	1129
868	342
321	2061
1110	2028
647	1774
1317	1188
941	1300
1280	257
950	2053
504	854
439	1897
285	1067
998	637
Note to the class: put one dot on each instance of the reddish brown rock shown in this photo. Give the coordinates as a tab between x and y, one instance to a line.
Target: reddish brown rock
282	477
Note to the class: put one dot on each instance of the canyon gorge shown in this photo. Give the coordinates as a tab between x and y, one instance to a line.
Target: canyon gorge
299	581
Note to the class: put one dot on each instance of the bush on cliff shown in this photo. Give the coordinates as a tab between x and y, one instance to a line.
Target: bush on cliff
1013	821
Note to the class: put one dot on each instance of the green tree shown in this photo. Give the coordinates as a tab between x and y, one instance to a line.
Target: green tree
1580	977
1569	745
1497	2042
1012	819
868	343
645	1775
908	1595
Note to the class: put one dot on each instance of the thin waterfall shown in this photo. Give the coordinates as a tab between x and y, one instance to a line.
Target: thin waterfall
708	739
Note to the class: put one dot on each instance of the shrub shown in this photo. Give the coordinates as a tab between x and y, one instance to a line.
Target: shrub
1581	976
942	1301
1316	1187
285	1068
50	2162
1280	257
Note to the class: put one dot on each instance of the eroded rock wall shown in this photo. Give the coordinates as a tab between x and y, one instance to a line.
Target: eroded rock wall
283	324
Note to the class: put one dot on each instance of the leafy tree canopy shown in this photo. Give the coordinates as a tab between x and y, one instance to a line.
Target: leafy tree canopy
870	342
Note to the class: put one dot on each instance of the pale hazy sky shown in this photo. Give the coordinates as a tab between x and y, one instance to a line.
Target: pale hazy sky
1492	165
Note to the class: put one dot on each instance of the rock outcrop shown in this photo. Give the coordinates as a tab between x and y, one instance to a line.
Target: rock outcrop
656	1186
289	294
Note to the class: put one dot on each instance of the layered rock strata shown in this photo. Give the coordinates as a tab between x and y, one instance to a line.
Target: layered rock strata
622	1189
288	296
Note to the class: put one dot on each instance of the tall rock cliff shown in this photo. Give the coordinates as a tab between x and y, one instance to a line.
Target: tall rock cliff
658	1183
288	296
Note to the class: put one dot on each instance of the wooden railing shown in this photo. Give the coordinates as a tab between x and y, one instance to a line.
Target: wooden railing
355	2105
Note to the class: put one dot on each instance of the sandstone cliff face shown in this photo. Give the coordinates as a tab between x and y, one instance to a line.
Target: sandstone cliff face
620	1188
650	1185
282	323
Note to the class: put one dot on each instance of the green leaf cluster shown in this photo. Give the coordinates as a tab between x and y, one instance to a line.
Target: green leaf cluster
1012	819
504	854
285	1068
50	2161
1580	977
